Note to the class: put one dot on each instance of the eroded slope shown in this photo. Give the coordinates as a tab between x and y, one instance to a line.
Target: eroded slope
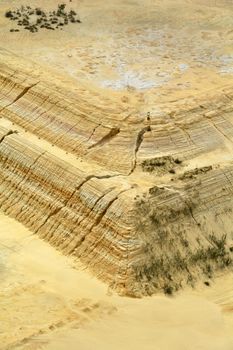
135	180
138	237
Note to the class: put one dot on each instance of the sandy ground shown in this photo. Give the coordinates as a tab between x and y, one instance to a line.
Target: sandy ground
148	53
47	304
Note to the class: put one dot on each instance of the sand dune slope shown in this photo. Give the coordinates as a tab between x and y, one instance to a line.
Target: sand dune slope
47	304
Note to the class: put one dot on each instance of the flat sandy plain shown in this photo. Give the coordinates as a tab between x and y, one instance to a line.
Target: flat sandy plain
48	301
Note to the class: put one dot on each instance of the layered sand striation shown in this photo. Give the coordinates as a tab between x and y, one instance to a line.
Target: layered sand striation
135	206
116	149
131	175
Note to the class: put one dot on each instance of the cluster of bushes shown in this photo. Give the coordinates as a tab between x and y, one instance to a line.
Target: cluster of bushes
34	19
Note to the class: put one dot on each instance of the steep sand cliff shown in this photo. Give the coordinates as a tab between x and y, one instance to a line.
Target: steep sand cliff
143	201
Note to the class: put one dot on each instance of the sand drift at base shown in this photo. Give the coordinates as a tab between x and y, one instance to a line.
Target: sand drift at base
48	304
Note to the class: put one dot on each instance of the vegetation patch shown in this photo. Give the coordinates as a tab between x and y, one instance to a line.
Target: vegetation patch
33	19
190	174
171	273
161	165
178	251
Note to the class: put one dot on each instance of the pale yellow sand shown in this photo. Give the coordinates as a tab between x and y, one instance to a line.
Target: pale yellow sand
146	52
47	304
